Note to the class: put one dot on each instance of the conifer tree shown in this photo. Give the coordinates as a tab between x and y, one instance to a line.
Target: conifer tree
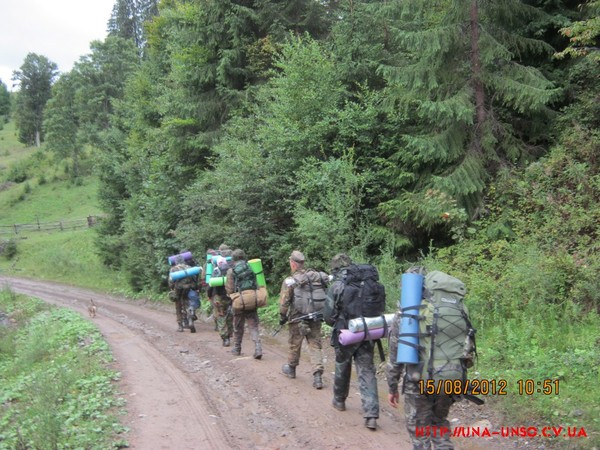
463	80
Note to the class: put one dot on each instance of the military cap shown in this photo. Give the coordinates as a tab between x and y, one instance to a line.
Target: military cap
297	256
238	254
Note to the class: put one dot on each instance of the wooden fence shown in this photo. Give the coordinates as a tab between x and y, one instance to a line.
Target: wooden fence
62	225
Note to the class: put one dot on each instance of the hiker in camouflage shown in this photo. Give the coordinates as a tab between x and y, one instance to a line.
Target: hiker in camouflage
362	353
298	294
241	318
421	410
220	300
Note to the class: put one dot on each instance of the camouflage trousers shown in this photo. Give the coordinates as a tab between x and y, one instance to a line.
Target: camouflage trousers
240	319
223	319
427	419
311	331
362	354
180	304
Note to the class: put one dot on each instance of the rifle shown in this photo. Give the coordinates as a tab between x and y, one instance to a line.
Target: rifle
310	316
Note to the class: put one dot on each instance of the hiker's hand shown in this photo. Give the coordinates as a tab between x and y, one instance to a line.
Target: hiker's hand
393	399
282	319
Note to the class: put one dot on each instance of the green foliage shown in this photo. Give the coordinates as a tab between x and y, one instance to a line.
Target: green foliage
8	248
583	35
57	389
458	69
5	104
35	77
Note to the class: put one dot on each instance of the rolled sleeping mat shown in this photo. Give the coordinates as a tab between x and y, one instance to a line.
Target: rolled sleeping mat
347	337
257	268
410	300
174	276
217	281
185	256
209	271
356	325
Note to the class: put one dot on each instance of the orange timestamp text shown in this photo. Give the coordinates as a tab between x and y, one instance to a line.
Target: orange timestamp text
488	387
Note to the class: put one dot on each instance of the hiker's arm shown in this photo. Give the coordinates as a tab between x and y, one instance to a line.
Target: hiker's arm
285	300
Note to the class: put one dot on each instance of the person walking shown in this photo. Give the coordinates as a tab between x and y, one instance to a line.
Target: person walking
301	299
185	294
241	278
361	353
220	300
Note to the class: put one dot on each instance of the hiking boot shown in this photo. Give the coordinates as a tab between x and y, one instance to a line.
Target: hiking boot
371	423
180	327
289	371
340	405
192	328
226	342
317	380
257	351
236	350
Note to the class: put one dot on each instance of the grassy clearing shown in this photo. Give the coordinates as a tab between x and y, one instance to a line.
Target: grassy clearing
11	150
57	390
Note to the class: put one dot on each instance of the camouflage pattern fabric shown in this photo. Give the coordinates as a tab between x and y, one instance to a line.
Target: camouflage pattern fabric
224	322
427	411
362	354
240	319
420	410
311	331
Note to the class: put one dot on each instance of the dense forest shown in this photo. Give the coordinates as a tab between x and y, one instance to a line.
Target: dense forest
462	134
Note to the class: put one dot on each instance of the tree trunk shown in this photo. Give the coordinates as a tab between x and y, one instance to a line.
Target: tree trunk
476	73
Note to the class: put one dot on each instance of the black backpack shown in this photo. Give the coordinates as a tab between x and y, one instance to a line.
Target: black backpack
363	294
243	277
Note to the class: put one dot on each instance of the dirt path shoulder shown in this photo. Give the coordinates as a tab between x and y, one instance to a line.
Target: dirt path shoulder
186	391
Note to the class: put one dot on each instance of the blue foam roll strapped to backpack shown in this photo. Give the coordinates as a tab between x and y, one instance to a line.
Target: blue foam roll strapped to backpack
185	273
185	256
410	300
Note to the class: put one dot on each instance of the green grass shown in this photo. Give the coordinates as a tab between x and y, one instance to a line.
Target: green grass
11	150
57	389
49	202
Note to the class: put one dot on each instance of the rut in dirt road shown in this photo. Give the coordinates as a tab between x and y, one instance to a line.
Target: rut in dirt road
186	391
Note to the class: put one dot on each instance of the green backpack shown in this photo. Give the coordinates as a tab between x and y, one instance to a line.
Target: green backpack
243	277
446	336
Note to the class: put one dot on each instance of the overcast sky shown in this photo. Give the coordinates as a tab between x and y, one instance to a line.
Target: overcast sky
60	30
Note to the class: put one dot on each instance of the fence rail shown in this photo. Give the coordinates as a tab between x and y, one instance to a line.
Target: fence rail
62	225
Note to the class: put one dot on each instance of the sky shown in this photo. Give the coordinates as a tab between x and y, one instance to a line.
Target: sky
60	30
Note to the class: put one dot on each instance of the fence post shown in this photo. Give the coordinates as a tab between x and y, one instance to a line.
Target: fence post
16	228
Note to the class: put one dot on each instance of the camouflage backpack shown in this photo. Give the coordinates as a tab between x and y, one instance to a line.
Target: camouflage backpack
309	291
446	336
243	277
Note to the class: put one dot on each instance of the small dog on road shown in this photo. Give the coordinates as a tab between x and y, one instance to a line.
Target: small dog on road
92	308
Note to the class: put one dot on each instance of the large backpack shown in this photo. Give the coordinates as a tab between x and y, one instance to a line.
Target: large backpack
243	277
183	285
446	336
363	295
309	291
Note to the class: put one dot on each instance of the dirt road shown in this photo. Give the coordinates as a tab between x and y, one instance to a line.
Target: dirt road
186	391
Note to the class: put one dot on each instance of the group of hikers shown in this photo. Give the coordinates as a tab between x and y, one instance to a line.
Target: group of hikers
350	296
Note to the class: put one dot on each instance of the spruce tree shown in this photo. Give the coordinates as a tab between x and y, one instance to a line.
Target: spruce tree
462	77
